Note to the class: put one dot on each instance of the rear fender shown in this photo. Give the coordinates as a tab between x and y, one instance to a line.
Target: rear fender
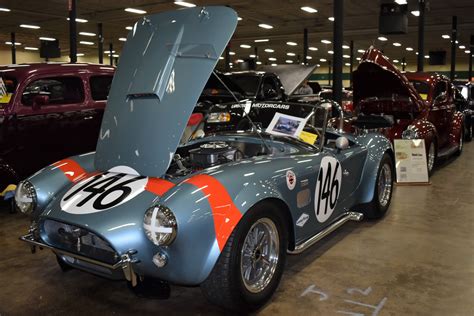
456	128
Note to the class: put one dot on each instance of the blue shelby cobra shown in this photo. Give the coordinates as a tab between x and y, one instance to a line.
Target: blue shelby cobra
221	211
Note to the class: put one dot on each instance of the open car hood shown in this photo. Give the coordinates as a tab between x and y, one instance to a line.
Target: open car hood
165	63
377	77
291	76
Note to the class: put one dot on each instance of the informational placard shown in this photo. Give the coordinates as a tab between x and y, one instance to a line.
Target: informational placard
286	125
410	161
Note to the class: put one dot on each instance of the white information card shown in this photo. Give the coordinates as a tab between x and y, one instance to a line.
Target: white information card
410	161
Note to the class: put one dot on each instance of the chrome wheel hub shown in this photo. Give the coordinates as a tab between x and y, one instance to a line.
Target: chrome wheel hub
431	157
259	255
385	185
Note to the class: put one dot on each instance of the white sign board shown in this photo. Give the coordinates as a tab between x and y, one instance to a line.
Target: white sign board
286	125
410	161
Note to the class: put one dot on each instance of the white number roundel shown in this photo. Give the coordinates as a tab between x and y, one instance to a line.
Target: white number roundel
328	186
102	192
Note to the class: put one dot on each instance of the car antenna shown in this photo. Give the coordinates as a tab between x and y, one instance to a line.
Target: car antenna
246	114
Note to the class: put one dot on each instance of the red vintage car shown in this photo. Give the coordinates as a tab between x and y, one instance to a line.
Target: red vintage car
419	105
48	111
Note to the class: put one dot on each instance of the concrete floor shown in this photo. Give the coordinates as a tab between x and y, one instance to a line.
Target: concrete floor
418	260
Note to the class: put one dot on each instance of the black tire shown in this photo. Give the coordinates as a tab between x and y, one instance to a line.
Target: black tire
375	209
225	286
468	133
461	143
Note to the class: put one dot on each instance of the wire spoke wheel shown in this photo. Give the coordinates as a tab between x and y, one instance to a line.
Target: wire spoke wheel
259	255
385	185
431	157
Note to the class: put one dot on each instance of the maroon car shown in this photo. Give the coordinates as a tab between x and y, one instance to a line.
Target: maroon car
47	112
419	105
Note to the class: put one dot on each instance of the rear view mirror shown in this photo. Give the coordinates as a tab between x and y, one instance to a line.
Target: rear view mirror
40	100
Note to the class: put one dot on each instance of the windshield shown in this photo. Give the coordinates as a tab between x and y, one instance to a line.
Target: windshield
421	87
7	88
215	87
248	83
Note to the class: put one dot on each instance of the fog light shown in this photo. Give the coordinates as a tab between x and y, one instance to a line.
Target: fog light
160	259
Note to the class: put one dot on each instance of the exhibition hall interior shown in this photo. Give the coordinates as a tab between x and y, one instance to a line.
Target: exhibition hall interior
266	157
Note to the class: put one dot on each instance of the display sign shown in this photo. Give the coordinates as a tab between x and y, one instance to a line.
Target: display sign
410	161
286	125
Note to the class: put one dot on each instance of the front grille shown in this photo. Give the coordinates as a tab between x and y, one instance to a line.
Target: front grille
77	240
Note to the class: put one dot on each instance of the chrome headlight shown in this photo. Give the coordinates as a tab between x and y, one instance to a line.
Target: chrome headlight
218	117
160	225
411	133
25	197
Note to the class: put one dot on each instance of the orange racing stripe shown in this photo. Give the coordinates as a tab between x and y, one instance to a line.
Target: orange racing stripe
158	186
71	169
226	215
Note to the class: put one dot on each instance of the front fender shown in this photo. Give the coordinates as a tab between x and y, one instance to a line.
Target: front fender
427	131
377	145
53	178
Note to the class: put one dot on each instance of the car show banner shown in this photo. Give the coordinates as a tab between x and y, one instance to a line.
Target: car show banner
410	161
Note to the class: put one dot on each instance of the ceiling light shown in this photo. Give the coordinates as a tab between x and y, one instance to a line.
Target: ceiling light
313	48
397	44
269	50
232	53
382	38
318	65
108	52
78	20
347	64
445	36
309	57
80	54
239	18
265	26
87	33
129	28
345	46
361	51
136	11
272	59
462	47
324	41
322	60
358	58
86	43
409	49
288	61
291	43
291	54
221	57
29	26
116	55
415	13
258	62
185	4
427	56
309	9
261	40
4	10
49	39
274	65
16	43
123	39
467	51
245	46
331	18
239	61
31	48
252	56
396	61
346	56
330	52
401	2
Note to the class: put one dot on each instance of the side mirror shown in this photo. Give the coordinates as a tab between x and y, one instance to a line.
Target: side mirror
40	100
342	143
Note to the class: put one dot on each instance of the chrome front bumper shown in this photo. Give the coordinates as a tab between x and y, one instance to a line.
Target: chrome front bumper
125	263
